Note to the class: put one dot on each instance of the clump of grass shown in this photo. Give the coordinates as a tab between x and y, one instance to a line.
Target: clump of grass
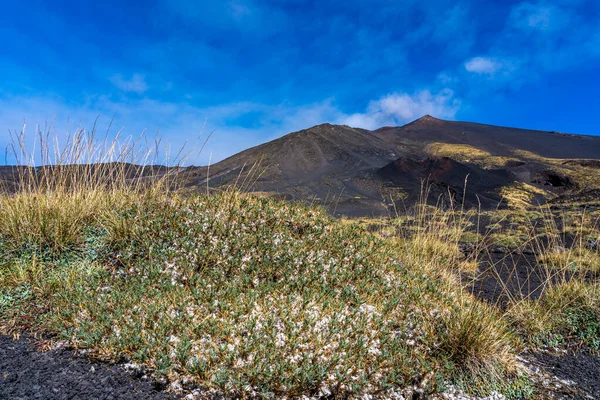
52	197
467	153
521	195
474	335
431	236
53	220
577	259
509	240
567	311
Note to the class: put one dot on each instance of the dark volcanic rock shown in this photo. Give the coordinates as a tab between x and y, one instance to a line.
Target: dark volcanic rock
58	374
580	368
554	179
448	177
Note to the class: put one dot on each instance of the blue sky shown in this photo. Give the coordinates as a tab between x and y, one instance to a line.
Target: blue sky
251	70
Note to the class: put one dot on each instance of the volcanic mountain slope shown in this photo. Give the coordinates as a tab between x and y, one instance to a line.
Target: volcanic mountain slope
359	172
316	164
310	154
447	180
355	171
424	135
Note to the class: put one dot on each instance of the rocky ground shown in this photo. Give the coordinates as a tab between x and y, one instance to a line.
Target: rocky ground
572	373
27	373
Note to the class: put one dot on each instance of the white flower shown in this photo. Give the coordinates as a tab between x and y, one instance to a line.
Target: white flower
374	348
280	339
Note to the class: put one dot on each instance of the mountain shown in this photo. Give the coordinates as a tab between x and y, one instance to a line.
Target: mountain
317	164
496	140
355	171
309	155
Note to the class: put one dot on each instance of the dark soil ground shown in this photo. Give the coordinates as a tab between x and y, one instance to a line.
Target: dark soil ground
502	274
574	374
27	373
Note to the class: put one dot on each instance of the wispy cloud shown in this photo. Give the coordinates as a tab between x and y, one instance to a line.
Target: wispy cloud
187	125
540	16
483	65
136	84
399	108
491	67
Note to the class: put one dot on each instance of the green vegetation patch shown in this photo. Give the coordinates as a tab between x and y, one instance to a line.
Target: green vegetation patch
252	297
567	312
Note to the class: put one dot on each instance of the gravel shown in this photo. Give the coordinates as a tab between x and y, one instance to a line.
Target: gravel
579	369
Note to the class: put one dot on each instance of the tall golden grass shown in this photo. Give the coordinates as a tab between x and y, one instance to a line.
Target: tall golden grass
51	194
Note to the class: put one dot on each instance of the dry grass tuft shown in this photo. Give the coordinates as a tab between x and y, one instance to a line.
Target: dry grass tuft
50	198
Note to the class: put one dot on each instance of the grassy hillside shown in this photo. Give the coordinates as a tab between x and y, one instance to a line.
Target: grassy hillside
237	295
246	296
254	297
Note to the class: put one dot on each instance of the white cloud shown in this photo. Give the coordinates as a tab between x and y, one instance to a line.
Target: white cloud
399	108
447	78
136	84
483	65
